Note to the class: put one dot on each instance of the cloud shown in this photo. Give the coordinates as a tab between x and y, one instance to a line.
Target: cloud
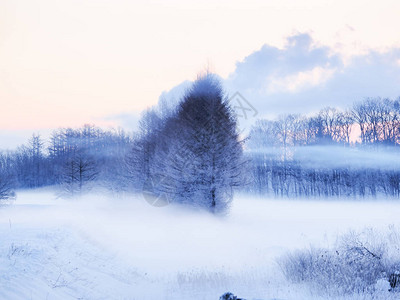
299	81
127	120
304	77
270	62
169	99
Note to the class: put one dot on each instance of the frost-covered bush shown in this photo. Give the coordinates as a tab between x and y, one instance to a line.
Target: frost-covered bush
354	265
229	296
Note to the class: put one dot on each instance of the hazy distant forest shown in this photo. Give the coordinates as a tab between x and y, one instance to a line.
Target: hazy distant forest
200	157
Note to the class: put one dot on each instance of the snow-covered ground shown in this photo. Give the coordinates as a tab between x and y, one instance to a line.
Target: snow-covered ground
100	247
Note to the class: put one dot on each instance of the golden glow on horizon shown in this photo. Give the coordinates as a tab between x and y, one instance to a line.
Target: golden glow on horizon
65	63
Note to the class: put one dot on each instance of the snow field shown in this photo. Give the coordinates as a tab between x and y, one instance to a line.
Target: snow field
100	247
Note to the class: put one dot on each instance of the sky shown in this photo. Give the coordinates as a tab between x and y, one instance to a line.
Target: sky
67	63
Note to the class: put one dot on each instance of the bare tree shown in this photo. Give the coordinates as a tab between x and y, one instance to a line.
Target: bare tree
6	178
79	171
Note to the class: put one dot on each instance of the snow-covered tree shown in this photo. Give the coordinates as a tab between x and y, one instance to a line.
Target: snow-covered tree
201	158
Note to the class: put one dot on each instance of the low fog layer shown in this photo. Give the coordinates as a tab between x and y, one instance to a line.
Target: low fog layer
327	157
173	250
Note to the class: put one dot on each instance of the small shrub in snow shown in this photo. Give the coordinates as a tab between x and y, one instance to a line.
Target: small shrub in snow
229	296
18	250
394	280
354	265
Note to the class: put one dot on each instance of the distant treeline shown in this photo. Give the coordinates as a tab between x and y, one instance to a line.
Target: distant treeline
378	122
370	125
291	178
76	160
73	160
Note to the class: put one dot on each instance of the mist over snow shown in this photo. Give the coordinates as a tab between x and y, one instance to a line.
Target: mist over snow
342	157
99	247
337	156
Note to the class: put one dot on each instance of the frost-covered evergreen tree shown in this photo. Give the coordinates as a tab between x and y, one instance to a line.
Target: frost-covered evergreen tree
201	157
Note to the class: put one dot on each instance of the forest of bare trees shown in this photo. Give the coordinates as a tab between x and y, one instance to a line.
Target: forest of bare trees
72	160
296	155
370	122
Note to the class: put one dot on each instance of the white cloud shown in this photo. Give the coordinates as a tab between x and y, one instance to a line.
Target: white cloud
299	81
304	77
